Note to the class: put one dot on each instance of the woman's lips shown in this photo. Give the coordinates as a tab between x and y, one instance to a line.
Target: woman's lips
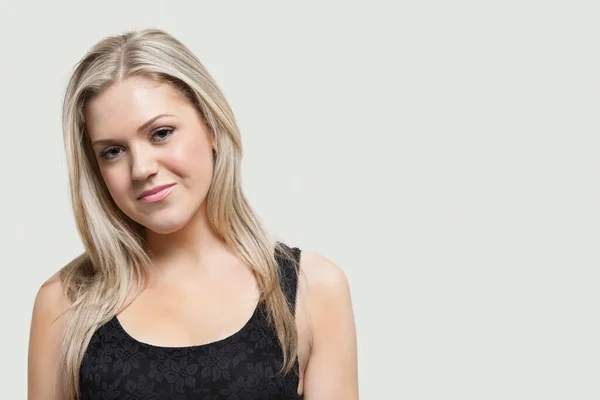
158	196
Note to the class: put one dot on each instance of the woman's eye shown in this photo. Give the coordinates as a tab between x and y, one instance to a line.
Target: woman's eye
159	135
162	134
110	153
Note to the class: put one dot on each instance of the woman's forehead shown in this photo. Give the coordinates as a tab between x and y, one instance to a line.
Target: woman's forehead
125	105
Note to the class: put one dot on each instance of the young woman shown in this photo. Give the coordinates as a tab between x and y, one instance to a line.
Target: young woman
180	293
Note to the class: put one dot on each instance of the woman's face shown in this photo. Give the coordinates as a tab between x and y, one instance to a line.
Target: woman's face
146	135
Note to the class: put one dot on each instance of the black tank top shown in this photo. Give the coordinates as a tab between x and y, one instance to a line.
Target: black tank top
244	365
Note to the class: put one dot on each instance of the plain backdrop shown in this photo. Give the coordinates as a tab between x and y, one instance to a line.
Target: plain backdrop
443	153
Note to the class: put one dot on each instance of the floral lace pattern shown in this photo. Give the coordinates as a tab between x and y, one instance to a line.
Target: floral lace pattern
243	366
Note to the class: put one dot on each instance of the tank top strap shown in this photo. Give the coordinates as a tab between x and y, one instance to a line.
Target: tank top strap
288	260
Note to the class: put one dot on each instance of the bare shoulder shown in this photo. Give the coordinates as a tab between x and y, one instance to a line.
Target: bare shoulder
50	300
322	274
324	289
48	322
331	371
48	315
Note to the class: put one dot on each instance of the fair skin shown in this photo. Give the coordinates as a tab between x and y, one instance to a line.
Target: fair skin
192	266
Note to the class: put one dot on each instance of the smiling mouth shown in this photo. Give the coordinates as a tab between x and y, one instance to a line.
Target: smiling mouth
160	195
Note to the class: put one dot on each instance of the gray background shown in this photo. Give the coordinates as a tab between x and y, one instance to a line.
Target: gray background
444	154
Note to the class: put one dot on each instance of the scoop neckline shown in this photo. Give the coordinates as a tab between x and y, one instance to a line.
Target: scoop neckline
116	321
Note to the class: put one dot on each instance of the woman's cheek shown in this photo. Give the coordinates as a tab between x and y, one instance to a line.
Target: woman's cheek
190	160
116	187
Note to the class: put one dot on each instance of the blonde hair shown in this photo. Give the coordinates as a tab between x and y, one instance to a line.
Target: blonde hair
98	281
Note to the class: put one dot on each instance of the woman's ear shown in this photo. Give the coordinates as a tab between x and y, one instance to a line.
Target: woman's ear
214	147
214	142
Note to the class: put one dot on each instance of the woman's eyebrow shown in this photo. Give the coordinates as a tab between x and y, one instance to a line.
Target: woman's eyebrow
150	121
139	129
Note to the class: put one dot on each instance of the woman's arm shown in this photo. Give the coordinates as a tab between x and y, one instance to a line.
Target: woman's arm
331	372
44	342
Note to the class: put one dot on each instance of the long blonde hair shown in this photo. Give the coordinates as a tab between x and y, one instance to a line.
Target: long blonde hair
98	281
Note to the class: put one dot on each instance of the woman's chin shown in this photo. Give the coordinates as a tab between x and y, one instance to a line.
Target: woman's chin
163	226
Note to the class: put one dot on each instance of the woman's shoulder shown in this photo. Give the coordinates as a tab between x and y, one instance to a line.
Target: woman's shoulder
323	290
321	274
46	334
51	299
49	305
326	318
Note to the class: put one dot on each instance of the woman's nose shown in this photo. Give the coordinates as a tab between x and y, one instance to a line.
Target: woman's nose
143	165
